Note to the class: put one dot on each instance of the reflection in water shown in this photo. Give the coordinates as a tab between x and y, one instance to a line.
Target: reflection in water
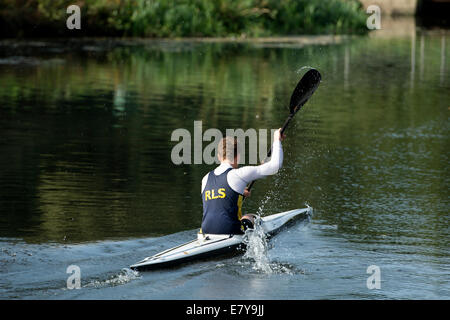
346	66
442	69
85	156
413	58
422	55
86	143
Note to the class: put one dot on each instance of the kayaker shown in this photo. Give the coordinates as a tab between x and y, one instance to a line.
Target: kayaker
224	188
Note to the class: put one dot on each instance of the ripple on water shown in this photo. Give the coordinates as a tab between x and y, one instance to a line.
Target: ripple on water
124	276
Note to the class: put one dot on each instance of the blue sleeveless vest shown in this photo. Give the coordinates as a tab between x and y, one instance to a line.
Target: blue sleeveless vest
221	206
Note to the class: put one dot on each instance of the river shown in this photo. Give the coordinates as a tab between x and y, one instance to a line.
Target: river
86	176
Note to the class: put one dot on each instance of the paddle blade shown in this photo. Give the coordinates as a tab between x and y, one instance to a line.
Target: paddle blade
304	89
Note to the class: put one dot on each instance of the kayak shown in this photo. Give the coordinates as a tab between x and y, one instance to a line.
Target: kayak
210	245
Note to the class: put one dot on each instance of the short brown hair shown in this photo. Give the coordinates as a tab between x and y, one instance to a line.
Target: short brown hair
228	148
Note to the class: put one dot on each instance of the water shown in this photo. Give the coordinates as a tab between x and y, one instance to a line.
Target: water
86	177
257	248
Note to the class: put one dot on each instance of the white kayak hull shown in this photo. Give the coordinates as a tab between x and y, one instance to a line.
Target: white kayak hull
210	245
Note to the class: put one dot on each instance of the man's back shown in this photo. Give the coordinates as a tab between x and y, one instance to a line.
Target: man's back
223	189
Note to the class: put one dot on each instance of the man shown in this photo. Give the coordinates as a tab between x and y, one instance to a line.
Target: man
223	188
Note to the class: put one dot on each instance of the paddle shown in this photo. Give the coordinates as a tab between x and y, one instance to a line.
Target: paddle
302	92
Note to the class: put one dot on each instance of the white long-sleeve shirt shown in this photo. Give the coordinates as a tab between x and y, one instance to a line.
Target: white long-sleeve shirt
239	178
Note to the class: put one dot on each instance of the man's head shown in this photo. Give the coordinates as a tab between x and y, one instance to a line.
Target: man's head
228	151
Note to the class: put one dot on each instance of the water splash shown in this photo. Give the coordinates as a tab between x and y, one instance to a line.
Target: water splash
310	211
257	247
262	206
124	276
257	254
257	244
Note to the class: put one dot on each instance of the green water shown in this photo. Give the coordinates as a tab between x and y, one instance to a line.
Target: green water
85	143
85	132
